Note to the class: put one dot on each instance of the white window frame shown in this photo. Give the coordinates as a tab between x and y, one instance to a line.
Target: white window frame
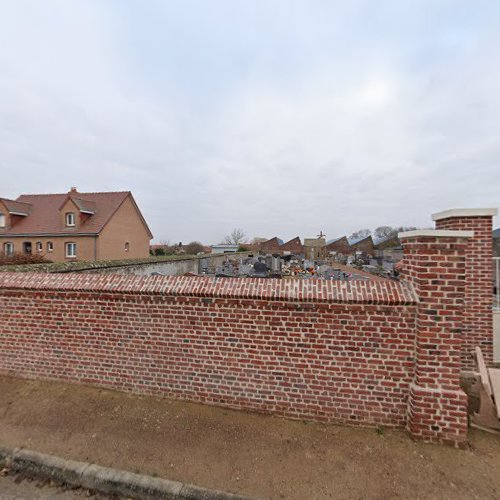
70	219
8	245
50	246
70	247
3	220
39	246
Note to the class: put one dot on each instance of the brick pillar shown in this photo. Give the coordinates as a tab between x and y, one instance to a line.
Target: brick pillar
435	264
478	312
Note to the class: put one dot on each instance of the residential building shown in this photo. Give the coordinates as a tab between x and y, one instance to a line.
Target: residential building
364	245
293	246
389	248
271	246
339	245
74	226
225	248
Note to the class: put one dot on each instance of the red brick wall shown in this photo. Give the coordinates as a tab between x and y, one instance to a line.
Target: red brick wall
478	315
324	350
437	406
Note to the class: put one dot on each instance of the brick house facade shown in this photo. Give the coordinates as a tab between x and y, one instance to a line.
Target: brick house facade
270	246
340	245
365	245
294	246
74	226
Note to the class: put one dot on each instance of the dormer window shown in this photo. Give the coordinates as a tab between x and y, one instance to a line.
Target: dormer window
70	219
2	220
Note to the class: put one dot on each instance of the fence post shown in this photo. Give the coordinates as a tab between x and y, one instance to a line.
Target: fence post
435	264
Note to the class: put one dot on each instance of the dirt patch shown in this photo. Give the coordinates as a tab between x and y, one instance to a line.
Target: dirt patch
240	452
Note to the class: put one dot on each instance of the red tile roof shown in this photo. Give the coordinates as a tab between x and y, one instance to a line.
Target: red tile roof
45	215
85	206
16	207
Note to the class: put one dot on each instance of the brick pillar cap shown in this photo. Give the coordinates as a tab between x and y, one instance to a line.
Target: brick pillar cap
465	212
436	233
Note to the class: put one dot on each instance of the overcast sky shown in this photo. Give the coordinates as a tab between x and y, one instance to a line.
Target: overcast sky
280	117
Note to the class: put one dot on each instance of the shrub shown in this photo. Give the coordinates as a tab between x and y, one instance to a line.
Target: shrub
194	248
23	258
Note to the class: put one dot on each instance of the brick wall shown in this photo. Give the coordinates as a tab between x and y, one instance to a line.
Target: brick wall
323	350
478	314
363	352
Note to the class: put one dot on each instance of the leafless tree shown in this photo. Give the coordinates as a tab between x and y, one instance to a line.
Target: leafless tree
383	232
360	233
236	237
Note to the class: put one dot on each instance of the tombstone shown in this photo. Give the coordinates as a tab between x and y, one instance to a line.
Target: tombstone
260	269
330	274
275	264
203	266
269	261
245	270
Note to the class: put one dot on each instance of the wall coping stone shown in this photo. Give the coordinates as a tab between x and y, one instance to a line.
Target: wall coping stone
320	291
436	233
85	265
465	212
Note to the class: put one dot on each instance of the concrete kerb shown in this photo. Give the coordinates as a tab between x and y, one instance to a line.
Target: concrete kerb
104	479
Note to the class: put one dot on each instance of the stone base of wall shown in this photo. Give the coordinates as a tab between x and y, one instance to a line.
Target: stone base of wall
438	416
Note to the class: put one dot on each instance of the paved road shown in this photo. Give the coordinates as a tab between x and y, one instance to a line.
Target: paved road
33	490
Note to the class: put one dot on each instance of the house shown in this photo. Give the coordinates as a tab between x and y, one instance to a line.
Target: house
364	245
339	245
74	226
225	248
293	247
271	246
389	248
